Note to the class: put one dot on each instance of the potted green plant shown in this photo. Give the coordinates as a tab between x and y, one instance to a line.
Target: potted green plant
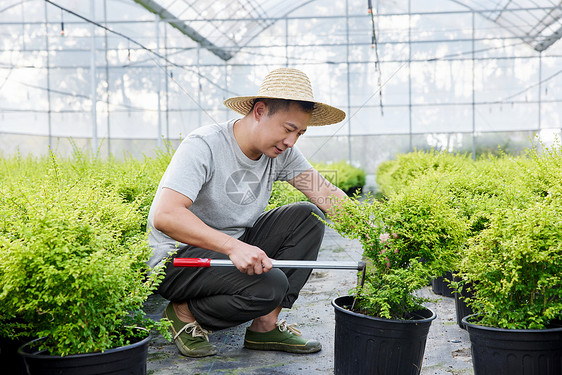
485	187
405	240
443	170
515	267
474	194
73	272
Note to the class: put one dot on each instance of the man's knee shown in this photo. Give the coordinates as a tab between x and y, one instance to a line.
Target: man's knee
307	209
308	213
311	216
272	287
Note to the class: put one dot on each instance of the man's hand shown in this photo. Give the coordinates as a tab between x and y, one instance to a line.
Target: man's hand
249	259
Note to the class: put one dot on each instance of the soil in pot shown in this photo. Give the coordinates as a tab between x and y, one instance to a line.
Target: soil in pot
370	345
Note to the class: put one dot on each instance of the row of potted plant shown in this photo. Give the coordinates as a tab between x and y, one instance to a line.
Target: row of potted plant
72	245
73	253
494	222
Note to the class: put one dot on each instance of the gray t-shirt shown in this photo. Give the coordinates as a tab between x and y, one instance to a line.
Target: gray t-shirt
229	190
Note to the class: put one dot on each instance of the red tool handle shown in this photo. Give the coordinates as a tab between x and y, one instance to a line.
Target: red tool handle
192	262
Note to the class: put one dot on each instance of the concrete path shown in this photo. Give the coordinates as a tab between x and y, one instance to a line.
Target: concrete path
447	349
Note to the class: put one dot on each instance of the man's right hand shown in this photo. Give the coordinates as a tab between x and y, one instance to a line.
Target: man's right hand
249	259
173	217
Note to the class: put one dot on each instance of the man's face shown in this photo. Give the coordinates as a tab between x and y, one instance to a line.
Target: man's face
281	130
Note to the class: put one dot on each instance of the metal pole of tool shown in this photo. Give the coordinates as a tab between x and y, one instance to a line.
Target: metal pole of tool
316	264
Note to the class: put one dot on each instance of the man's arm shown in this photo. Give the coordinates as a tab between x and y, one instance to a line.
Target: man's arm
173	217
320	191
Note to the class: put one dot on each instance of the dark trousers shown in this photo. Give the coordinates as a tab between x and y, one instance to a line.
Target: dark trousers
222	297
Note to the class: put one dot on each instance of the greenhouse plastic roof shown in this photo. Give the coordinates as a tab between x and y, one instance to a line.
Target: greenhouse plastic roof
537	22
225	27
218	32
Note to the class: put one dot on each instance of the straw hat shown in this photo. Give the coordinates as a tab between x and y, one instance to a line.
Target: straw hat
290	84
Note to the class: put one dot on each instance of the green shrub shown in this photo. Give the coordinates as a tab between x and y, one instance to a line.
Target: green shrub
542	171
421	232
385	176
394	175
483	187
134	181
497	220
72	258
515	266
425	224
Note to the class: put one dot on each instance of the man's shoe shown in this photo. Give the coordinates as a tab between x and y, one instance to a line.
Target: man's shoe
190	338
284	337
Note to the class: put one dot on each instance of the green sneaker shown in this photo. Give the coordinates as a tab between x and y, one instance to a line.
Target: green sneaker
190	338
285	337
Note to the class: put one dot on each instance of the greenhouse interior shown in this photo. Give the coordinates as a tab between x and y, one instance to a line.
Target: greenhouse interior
470	90
125	76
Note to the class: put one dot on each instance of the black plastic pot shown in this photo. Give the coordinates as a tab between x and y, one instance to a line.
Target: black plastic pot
10	361
497	351
440	286
368	345
130	359
461	308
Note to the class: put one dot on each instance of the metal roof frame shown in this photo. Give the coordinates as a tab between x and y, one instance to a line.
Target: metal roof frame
233	24
539	27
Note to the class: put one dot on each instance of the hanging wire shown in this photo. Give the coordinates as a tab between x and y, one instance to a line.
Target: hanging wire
377	60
